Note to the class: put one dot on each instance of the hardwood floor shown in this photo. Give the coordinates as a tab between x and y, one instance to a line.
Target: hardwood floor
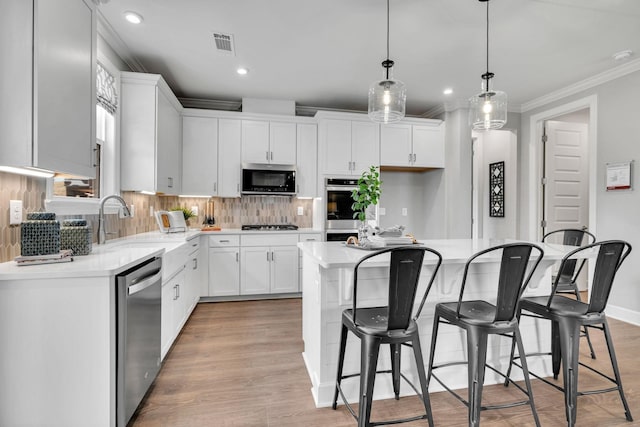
240	364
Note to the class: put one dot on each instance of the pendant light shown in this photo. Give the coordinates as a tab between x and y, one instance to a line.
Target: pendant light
387	97
488	109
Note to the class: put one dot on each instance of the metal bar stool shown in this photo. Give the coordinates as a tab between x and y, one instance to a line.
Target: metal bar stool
568	275
481	318
393	325
568	316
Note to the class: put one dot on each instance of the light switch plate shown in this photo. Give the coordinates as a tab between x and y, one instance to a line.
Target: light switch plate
382	211
300	210
194	209
404	211
15	212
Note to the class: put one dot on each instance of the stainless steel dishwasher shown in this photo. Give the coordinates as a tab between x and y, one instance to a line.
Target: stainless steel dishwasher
139	292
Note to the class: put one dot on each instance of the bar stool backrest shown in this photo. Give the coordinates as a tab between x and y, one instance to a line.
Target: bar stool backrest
404	274
511	280
611	254
570	237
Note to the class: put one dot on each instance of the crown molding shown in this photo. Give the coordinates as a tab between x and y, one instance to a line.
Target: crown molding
588	83
117	44
211	104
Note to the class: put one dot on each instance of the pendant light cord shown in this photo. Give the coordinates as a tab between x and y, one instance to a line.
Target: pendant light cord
387	38
488	75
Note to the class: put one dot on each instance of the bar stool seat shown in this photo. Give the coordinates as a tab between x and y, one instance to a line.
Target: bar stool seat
392	324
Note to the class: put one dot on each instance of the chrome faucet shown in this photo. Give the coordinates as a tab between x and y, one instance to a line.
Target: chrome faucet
102	234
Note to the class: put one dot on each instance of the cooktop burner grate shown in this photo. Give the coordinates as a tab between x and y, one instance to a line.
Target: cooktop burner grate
270	227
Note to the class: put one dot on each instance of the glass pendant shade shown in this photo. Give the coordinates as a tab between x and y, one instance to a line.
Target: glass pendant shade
387	99
488	110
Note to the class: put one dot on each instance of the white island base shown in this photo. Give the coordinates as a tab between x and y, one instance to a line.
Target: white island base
327	291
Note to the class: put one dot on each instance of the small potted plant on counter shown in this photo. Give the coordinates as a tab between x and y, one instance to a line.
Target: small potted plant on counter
367	194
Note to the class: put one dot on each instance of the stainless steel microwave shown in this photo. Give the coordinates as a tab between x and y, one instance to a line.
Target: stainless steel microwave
268	179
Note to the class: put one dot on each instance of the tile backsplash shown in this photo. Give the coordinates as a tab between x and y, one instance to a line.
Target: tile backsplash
228	213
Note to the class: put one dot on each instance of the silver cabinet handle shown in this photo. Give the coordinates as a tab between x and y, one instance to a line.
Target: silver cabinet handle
238	187
410	156
311	240
215	187
237	257
175	292
414	157
178	290
224	241
271	155
272	256
267	256
195	264
144	283
267	153
170	182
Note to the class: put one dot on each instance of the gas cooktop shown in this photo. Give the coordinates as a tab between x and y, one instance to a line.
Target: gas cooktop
270	227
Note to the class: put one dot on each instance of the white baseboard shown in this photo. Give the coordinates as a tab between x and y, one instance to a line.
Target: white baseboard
624	314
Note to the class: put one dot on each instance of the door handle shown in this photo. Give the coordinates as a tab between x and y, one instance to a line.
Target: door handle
144	283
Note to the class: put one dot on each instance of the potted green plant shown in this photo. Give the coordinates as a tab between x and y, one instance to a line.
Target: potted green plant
188	213
367	194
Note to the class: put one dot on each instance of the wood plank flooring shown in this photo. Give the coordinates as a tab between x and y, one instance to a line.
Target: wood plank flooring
240	364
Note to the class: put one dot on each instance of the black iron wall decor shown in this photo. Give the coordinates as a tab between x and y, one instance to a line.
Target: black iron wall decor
496	189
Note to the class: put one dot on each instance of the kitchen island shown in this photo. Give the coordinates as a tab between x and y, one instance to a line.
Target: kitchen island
327	284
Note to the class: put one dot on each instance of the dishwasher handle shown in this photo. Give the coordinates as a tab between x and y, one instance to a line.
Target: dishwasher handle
144	282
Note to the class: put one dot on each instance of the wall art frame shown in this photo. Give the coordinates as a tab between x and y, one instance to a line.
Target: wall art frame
496	189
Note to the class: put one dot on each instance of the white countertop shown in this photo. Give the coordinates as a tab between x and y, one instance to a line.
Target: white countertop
337	255
118	255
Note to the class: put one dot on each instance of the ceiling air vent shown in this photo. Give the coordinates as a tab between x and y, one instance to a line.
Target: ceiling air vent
224	43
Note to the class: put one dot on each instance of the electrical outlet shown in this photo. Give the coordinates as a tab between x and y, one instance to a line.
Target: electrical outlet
15	212
132	210
404	211
300	210
151	211
194	209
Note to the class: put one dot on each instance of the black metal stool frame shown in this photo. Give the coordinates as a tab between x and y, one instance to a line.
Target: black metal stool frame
480	319
391	325
568	276
568	316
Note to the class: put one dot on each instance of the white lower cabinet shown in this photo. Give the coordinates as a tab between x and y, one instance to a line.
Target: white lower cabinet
268	270
173	309
224	272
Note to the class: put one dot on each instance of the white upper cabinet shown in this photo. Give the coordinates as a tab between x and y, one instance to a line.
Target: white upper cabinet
348	147
151	135
229	165
199	156
307	164
268	142
48	102
413	145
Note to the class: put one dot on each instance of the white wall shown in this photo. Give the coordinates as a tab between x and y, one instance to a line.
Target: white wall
495	146
421	194
617	213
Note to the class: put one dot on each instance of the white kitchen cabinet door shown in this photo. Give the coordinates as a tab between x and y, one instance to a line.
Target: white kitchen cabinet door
224	272
428	146
282	143
173	310
192	281
335	145
169	149
254	272
48	85
255	141
284	269
365	146
395	145
307	164
229	151
200	156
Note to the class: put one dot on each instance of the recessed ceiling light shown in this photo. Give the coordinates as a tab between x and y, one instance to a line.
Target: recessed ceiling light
242	71
133	17
448	91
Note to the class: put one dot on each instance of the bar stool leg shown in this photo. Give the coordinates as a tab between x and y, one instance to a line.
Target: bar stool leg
477	356
417	354
584	328
569	349
343	345
432	349
614	365
369	348
525	371
395	368
556	357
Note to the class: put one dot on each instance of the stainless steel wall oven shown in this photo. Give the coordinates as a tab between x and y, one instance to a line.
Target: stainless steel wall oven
339	221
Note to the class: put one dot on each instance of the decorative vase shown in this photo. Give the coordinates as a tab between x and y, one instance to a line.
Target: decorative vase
363	233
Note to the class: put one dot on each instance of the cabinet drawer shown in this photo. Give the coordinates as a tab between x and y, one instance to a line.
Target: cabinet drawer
224	241
270	239
310	237
193	244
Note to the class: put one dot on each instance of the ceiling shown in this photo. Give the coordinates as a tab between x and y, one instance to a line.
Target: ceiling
326	53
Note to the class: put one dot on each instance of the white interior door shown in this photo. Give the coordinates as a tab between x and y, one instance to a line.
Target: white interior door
566	194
